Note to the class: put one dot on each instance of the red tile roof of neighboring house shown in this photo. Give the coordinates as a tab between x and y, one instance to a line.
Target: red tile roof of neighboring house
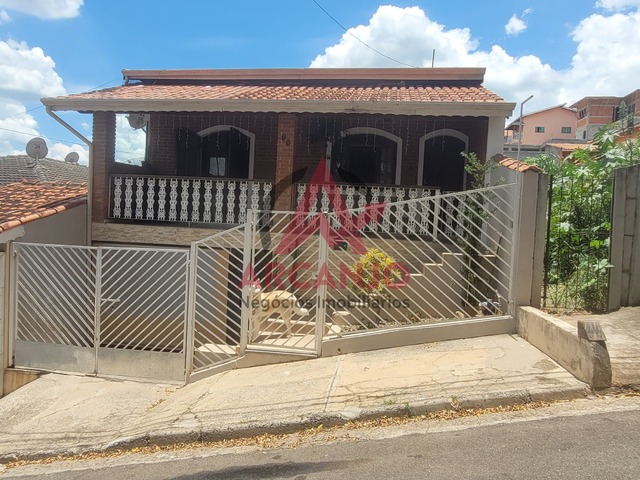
513	164
24	202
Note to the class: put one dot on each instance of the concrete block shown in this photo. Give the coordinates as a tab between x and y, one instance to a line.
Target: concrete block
591	330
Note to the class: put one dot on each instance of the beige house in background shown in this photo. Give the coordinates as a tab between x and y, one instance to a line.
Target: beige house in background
558	122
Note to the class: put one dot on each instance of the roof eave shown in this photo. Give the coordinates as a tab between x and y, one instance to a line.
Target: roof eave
492	109
408	74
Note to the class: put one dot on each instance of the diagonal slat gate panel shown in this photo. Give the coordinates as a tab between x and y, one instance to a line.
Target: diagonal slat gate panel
55	294
285	259
54	307
217	298
461	269
143	301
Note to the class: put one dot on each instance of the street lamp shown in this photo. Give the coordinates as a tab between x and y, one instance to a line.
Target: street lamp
521	129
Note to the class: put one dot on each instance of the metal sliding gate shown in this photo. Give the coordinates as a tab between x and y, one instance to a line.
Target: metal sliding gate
282	283
287	281
115	311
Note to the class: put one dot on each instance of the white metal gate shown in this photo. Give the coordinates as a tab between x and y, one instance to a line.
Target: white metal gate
116	311
282	283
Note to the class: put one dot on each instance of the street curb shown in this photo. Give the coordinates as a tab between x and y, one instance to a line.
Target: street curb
327	419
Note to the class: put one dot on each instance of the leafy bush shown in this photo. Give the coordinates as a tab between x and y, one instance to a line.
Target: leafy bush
580	219
374	271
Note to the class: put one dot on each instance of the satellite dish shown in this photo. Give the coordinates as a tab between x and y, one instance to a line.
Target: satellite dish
137	120
37	148
72	157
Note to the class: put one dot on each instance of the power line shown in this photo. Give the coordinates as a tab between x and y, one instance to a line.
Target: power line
58	139
32	135
361	41
42	106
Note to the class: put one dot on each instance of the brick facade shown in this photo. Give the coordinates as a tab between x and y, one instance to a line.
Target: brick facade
104	145
285	160
286	145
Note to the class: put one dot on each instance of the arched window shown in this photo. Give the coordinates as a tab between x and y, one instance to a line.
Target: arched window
227	152
440	162
366	156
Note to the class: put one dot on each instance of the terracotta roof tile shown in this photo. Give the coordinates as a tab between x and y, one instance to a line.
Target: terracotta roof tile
359	93
571	146
25	201
513	164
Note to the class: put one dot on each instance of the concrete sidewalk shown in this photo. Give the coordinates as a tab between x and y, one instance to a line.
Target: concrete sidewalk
59	414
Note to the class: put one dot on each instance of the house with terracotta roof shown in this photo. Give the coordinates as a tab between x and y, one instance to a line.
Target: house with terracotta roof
219	142
382	148
43	212
37	212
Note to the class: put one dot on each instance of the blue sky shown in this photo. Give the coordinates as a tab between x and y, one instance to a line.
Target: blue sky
557	51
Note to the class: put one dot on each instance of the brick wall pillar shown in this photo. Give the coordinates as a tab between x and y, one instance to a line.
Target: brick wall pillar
284	160
104	146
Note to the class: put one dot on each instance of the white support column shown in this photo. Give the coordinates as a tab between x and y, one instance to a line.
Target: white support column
495	136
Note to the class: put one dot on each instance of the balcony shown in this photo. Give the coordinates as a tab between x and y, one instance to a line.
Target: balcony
186	200
224	202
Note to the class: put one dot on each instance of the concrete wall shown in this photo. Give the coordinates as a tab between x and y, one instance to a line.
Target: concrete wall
65	228
624	276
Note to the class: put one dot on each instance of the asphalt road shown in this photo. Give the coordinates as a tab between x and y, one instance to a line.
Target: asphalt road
602	446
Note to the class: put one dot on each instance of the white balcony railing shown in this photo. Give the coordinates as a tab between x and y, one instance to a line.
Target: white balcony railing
400	218
179	199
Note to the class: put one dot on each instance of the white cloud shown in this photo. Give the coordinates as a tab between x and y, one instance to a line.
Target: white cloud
45	9
27	73
16	129
604	63
130	143
59	151
405	34
4	17
617	5
515	25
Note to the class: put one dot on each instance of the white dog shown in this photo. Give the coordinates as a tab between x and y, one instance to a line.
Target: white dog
278	303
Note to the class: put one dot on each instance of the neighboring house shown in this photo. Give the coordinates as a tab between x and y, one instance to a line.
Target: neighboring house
38	212
562	149
43	212
536	128
222	141
596	112
15	168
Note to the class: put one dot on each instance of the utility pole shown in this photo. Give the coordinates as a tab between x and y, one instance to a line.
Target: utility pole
521	129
